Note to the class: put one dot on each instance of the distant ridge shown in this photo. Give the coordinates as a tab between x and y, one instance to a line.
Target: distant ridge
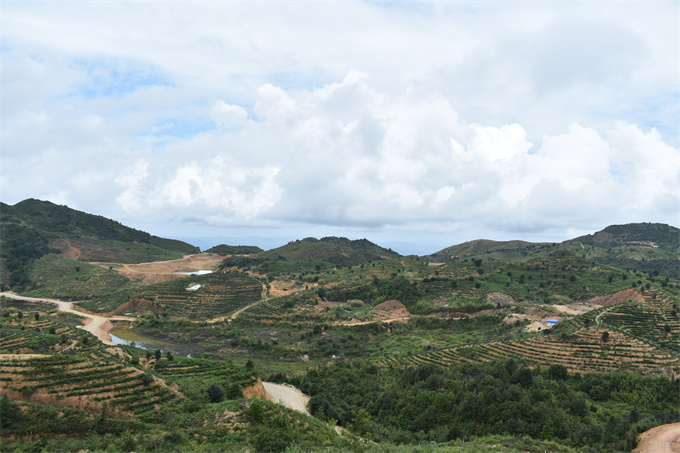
335	250
486	249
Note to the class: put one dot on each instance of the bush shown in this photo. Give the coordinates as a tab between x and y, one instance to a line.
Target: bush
215	393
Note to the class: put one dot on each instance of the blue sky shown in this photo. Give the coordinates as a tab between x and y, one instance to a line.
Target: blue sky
422	123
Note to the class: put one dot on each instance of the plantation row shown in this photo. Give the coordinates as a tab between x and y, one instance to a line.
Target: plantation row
581	352
656	320
216	372
219	295
84	383
267	309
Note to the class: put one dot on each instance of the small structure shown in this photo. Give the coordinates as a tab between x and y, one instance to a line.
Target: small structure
552	321
195	287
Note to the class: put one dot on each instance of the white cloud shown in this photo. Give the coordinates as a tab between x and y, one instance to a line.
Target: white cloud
557	116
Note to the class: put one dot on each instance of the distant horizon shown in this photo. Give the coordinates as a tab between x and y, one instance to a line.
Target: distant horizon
271	238
403	122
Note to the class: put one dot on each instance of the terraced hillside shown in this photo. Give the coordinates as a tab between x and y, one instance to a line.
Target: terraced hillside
205	296
630	336
86	384
582	352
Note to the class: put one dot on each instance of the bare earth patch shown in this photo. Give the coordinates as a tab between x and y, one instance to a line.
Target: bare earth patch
611	299
662	439
163	271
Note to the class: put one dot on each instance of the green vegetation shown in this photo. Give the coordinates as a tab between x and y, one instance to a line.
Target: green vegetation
400	352
224	249
31	229
311	254
61	277
430	403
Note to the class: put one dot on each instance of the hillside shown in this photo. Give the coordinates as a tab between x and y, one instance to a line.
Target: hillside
224	249
311	254
32	228
395	351
647	247
486	250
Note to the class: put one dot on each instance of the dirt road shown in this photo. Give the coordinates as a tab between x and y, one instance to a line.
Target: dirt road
662	439
99	326
288	396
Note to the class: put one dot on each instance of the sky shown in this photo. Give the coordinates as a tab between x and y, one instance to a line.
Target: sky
416	125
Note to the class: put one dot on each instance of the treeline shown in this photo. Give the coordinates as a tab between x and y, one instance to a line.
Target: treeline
429	403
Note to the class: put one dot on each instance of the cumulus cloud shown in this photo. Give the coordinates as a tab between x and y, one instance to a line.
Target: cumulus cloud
381	160
415	123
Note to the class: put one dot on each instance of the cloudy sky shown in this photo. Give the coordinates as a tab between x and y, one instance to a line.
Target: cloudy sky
413	124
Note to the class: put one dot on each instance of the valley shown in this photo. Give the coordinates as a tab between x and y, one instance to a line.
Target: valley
452	351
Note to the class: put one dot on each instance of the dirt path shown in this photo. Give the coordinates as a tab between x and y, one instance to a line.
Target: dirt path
99	326
374	321
288	396
597	318
231	317
21	356
662	439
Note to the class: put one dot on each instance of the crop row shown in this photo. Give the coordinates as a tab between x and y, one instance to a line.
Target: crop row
61	377
221	293
581	352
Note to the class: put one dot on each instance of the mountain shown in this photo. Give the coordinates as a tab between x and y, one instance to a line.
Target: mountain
311	254
486	250
32	228
331	249
224	249
647	247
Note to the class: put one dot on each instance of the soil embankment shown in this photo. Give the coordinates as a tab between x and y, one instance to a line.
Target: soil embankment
288	396
662	439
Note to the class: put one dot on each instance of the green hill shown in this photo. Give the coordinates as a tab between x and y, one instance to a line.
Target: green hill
334	250
224	249
32	228
312	254
648	247
488	250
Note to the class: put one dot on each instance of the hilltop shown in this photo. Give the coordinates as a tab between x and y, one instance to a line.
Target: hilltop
32	229
652	247
311	254
486	250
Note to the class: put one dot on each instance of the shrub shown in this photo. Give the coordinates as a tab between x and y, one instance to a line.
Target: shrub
215	393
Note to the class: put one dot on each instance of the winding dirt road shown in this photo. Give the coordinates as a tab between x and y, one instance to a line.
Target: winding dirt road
99	326
662	439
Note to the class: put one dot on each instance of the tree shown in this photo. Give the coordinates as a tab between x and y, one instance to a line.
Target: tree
20	315
215	393
605	336
37	316
168	354
158	354
558	371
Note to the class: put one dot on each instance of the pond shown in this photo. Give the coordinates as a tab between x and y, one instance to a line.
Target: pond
130	338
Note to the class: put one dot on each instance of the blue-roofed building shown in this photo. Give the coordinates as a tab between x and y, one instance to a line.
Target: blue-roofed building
552	321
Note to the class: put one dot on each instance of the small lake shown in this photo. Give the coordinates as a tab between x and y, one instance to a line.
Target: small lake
128	337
